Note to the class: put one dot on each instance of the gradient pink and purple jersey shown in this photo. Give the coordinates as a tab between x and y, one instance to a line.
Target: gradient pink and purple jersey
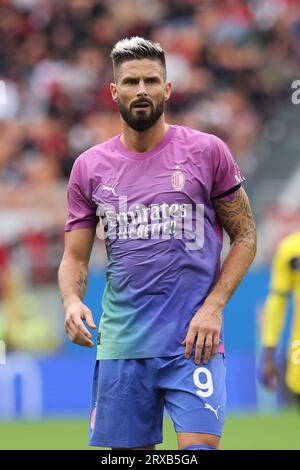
162	237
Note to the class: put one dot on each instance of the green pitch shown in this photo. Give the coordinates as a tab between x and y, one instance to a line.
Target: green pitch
281	431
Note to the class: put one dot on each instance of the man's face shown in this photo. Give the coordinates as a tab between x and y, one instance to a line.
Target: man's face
140	92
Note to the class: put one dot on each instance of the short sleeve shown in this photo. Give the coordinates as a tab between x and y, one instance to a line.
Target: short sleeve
227	176
81	209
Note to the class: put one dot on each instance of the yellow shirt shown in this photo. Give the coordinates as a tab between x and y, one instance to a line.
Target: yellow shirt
285	278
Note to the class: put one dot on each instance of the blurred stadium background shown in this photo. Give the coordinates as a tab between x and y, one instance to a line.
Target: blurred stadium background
232	64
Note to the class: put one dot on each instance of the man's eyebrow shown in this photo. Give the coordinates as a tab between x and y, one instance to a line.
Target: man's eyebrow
136	77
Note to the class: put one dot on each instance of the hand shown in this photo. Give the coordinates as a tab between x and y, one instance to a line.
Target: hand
205	328
75	312
269	371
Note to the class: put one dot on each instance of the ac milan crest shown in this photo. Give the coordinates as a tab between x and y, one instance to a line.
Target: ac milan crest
178	179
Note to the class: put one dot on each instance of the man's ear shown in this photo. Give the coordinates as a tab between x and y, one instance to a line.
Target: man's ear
167	91
113	90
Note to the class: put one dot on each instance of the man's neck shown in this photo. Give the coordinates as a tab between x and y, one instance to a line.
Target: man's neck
146	140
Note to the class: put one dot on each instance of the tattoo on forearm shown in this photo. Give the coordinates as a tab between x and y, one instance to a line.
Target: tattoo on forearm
236	218
81	283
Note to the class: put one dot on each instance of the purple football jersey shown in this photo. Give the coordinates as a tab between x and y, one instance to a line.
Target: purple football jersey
162	236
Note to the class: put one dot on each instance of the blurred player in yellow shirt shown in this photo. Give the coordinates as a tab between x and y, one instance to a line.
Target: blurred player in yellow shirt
285	279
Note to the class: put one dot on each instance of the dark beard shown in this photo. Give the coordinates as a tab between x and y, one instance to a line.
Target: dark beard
142	121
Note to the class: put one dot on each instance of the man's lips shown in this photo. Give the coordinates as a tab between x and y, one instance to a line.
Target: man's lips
141	104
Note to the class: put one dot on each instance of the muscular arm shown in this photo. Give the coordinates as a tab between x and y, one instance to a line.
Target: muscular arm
72	278
272	326
274	315
236	218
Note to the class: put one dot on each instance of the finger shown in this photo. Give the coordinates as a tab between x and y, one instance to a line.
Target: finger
215	346
199	348
207	349
83	341
268	380
271	384
76	336
80	326
73	332
265	378
189	342
89	318
70	329
79	338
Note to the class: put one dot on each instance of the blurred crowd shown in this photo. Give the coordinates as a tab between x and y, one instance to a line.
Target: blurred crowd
231	62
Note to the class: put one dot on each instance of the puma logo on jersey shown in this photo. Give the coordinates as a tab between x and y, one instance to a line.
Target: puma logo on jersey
207	406
105	187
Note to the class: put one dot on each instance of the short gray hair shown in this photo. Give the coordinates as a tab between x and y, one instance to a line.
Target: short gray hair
136	48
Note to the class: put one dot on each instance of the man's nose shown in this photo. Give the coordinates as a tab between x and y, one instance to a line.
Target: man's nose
142	89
